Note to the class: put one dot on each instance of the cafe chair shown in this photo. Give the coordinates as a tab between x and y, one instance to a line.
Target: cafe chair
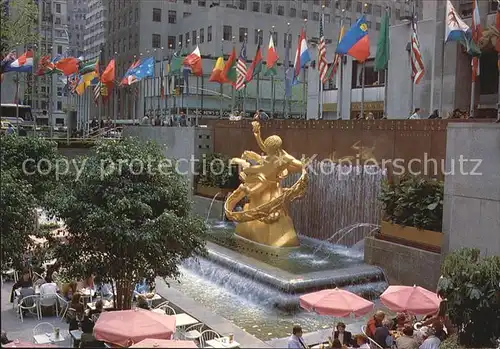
206	336
167	309
63	306
29	304
193	332
161	304
43	328
373	344
49	300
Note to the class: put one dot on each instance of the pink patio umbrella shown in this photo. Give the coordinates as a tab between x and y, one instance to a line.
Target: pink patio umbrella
336	302
413	299
126	327
163	343
25	344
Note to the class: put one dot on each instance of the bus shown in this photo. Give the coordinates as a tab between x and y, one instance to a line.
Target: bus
8	114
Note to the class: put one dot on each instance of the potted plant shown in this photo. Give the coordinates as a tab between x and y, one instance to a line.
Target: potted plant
215	176
413	211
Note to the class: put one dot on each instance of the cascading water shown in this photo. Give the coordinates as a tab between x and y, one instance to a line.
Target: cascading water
211	204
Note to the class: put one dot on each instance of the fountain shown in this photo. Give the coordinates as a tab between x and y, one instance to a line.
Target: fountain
258	258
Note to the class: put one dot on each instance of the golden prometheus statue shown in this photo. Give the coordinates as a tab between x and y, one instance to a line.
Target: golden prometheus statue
264	219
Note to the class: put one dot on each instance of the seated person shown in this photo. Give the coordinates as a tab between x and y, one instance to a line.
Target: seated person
98	309
374	322
336	344
362	341
400	321
87	283
406	341
102	289
430	340
24	282
345	337
68	290
142	287
87	340
4	339
78	309
382	335
142	302
49	287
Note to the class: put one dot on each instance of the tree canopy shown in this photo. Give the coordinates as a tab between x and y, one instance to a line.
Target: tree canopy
18	20
471	285
127	216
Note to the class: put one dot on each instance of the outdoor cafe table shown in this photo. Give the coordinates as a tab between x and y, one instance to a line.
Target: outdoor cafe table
181	319
87	293
217	343
106	305
47	338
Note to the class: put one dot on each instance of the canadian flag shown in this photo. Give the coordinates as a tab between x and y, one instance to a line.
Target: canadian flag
193	61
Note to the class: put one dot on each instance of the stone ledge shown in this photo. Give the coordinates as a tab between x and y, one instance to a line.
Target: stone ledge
403	264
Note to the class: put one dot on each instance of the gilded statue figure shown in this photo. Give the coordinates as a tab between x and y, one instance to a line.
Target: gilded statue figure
264	218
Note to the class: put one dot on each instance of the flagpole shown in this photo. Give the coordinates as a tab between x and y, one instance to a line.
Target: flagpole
304	83
341	70
273	89
233	95
441	111
245	83
386	73
363	65
320	87
258	75
221	87
198	89
410	52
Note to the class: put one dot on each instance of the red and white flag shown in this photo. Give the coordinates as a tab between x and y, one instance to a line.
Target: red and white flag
322	62
194	61
417	61
476	36
241	68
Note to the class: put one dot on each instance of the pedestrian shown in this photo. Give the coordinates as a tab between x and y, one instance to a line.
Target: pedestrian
260	115
415	115
434	115
145	120
183	119
10	129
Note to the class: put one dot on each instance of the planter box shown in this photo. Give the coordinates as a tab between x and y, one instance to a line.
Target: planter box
210	192
413	235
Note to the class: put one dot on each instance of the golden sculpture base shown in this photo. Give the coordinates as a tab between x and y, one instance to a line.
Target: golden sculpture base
278	234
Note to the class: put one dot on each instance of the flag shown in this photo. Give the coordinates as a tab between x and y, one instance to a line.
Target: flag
302	56
97	92
217	72
322	62
23	64
194	61
457	30
355	42
185	90
497	26
176	64
337	58
45	66
88	66
288	73
125	79
476	36
229	73
383	48
417	62
68	65
162	81
145	68
271	58
108	75
241	67
256	66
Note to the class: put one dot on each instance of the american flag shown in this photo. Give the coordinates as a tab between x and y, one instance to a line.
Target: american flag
241	67
417	62
97	92
322	63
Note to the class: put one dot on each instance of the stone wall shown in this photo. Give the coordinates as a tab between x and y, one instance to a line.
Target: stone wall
471	216
404	265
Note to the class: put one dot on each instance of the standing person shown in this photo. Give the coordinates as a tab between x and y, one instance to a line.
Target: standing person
145	120
260	115
434	115
415	115
10	129
183	119
24	282
345	337
295	341
382	335
370	116
374	322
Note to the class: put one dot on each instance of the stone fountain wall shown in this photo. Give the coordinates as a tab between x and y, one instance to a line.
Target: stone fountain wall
341	202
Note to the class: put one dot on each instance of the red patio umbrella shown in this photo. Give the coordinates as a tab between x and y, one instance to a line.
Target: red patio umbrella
163	343
126	327
336	302
413	299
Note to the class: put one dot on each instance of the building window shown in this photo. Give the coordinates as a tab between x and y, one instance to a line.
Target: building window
372	77
327	18
59	107
156	40
377	10
280	10
368	8
348	5
398	14
304	14
59	50
293	12
275	38
202	3
287	39
227	32
242	5
58	20
172	17
315	16
255	6
186	14
59	91
316	2
369	24
243	32
202	35
186	36
195	39
259	36
171	42
377	26
187	1
157	15
359	7
58	8
180	41
268	8
136	14
209	34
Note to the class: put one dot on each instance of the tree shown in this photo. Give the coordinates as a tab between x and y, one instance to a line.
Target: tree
471	286
18	20
35	160
128	218
17	218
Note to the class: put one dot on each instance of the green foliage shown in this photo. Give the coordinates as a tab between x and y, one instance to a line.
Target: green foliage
17	218
22	155
451	343
415	202
215	171
19	28
471	285
125	224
